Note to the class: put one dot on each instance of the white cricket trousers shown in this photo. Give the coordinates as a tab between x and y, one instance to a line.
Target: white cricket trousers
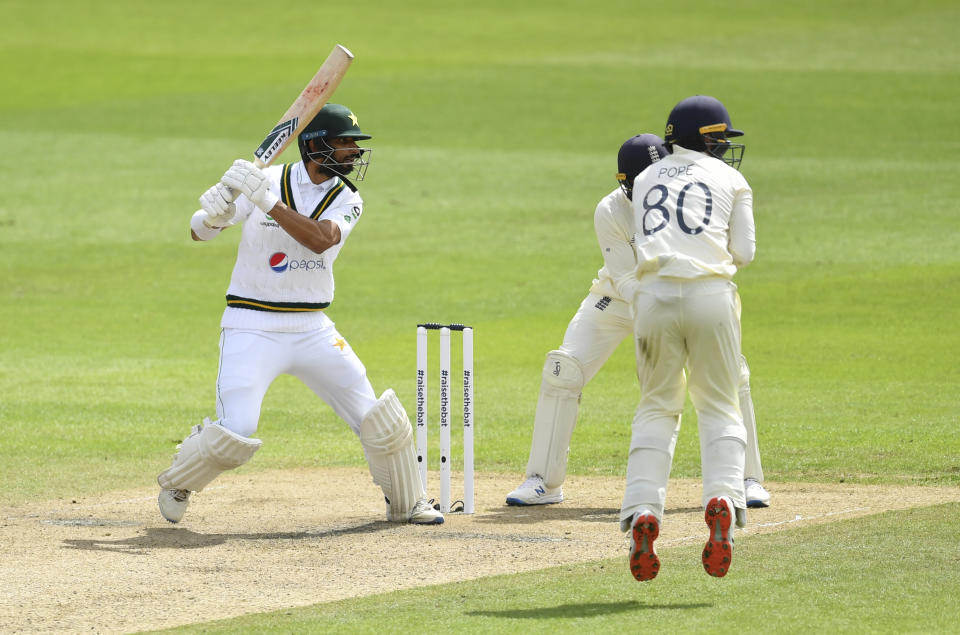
600	326
251	359
596	330
692	323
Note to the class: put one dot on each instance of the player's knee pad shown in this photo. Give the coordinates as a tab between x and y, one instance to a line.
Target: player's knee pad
655	431
662	438
209	450
563	372
556	417
712	428
387	439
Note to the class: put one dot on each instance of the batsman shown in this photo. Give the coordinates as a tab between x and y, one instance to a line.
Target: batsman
295	219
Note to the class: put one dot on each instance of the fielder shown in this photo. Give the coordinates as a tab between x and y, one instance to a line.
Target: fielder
601	323
693	214
295	219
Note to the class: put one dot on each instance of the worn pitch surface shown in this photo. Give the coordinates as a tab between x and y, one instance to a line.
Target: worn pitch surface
281	539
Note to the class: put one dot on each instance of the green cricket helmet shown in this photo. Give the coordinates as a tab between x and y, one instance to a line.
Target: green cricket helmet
334	122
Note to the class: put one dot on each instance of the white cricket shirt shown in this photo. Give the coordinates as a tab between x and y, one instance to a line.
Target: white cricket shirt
693	217
613	224
278	284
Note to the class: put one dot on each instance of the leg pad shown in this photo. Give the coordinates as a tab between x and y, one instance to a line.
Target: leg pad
209	450
556	417
387	439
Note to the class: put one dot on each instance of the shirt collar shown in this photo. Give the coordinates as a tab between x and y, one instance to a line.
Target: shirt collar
304	182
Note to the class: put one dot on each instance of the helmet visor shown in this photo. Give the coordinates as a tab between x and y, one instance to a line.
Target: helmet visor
729	153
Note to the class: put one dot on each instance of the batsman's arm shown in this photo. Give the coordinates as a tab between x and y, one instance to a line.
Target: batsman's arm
200	228
217	210
246	178
315	235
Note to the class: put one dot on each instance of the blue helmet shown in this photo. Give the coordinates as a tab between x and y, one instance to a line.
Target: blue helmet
635	155
702	123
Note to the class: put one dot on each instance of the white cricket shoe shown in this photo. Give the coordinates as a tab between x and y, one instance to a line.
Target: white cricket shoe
757	495
424	514
173	503
535	492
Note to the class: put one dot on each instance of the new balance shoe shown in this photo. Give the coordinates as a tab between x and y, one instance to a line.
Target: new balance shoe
173	503
757	495
718	551
424	514
534	492
644	562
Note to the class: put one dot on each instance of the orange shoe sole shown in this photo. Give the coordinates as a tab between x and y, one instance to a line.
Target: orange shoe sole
644	562
718	551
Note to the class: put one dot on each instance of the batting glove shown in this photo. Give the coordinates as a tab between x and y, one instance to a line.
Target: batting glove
217	202
249	180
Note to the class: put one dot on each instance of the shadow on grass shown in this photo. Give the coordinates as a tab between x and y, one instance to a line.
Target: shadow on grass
588	609
178	538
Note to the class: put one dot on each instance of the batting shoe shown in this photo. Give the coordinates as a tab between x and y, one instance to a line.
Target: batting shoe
718	551
757	494
644	562
173	503
424	514
533	491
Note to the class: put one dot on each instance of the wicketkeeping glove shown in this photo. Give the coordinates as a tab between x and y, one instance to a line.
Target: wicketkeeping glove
217	202
249	180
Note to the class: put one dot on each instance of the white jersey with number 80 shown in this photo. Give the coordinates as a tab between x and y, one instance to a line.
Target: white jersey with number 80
693	216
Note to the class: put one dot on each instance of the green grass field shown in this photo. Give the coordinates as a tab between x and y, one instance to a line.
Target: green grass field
837	583
496	127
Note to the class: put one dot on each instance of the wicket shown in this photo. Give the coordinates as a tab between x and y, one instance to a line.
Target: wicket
422	414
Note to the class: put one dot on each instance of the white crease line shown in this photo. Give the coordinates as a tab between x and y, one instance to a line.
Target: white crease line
799	518
796	519
79	507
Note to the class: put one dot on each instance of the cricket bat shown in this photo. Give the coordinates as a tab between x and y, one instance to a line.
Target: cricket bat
305	107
